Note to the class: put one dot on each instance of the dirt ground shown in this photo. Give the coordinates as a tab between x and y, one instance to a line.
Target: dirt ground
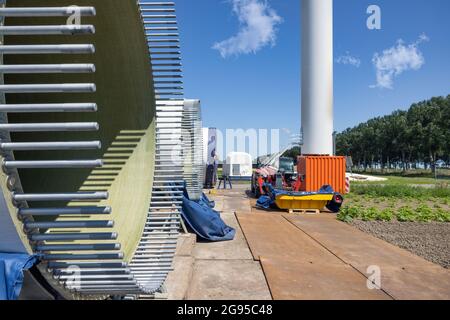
429	240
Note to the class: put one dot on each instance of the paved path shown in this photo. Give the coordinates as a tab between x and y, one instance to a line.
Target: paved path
298	267
282	256
312	256
226	270
219	270
403	274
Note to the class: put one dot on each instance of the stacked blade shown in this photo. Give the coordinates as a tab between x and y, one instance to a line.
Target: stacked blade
153	260
192	136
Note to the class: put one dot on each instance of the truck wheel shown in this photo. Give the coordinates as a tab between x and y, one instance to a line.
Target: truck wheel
257	193
335	204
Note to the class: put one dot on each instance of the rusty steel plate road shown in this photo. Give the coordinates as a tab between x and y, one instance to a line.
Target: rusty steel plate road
271	235
296	266
297	279
403	274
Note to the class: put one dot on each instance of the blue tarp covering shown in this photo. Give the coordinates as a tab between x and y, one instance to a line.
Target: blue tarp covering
201	217
268	201
265	202
11	273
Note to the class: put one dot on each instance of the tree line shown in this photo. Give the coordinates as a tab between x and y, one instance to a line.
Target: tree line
419	136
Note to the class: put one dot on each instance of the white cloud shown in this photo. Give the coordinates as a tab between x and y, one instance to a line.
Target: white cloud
347	59
258	23
396	60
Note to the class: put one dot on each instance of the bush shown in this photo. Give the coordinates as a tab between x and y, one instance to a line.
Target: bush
386	215
441	215
347	214
424	213
406	214
344	218
370	214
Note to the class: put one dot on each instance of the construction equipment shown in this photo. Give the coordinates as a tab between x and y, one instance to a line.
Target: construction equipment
300	201
293	201
276	170
318	182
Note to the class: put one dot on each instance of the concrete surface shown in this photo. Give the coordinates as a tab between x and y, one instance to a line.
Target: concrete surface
218	270
179	280
33	290
233	204
228	280
236	249
186	244
217	197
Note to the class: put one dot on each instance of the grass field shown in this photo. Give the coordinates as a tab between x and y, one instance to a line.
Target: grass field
411	177
410	211
404	213
400	191
401	202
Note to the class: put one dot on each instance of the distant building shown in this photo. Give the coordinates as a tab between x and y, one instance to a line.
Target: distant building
238	164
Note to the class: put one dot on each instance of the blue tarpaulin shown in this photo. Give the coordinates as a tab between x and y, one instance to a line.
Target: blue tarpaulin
11	273
268	201
201	217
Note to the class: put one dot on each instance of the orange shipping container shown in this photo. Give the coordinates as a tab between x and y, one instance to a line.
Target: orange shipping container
317	171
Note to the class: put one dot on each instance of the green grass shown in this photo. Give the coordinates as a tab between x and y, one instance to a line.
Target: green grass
400	202
442	172
401	199
423	213
418	177
378	192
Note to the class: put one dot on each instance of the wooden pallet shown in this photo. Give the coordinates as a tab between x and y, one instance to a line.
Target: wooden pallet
304	211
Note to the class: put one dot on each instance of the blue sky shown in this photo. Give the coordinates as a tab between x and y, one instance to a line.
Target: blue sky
262	89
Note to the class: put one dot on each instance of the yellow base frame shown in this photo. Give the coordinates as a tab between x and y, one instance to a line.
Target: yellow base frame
288	202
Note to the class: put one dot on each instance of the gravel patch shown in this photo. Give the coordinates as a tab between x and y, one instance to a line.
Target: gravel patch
430	240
